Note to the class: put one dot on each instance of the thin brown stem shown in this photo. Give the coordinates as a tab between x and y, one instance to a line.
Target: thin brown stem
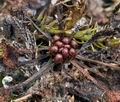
110	65
33	77
85	72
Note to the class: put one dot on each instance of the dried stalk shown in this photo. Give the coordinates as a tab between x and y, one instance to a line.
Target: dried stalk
22	99
110	65
33	77
88	76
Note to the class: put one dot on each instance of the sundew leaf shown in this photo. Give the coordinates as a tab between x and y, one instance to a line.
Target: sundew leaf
41	15
54	30
114	41
95	37
99	45
85	34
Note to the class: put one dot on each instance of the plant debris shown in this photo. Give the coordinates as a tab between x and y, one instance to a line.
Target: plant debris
59	51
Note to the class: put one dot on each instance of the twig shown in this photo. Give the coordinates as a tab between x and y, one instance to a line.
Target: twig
62	2
45	34
24	98
32	61
43	48
33	77
113	66
88	76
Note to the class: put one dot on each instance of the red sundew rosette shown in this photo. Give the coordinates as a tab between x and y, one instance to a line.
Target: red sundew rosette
63	49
